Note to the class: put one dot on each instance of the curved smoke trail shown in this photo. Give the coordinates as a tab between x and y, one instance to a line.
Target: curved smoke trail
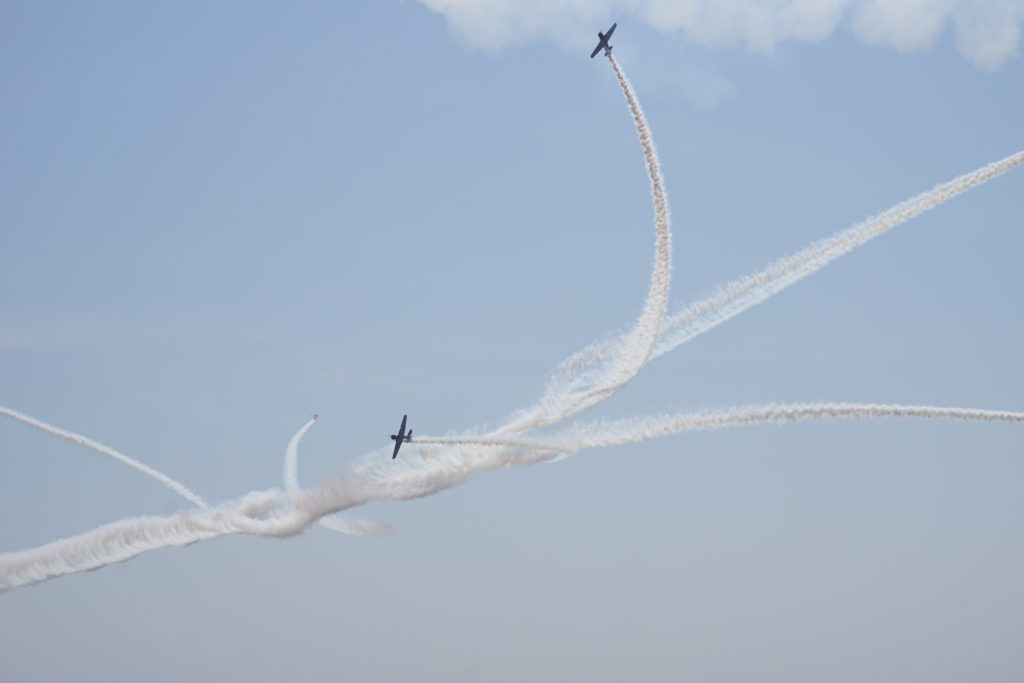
174	485
291	459
354	526
569	392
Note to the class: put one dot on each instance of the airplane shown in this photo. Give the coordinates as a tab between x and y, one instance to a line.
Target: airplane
401	437
604	42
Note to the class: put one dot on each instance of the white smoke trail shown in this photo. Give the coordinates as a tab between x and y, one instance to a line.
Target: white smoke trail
353	526
291	459
494	443
176	486
375	477
568	392
599	434
739	295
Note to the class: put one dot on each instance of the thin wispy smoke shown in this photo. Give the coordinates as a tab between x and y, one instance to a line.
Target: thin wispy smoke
357	526
430	465
494	443
176	486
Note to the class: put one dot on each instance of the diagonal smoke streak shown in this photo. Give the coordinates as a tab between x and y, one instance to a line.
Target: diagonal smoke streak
176	486
567	394
354	526
739	295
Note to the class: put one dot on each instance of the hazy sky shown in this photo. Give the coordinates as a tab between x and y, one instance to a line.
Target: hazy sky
217	217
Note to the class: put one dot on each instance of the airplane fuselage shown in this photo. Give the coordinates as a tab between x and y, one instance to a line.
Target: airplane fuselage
603	42
401	437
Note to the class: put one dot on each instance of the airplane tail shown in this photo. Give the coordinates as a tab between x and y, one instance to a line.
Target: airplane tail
408	437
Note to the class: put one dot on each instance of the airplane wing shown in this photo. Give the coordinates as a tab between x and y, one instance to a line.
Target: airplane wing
596	50
608	36
399	438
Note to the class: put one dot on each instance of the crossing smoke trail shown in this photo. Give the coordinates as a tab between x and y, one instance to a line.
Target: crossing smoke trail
272	514
430	466
176	486
354	526
562	399
739	295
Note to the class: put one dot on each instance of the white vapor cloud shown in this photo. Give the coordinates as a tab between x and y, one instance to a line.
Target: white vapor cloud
986	32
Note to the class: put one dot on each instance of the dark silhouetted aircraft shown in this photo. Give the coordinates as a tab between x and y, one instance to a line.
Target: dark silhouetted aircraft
401	437
604	42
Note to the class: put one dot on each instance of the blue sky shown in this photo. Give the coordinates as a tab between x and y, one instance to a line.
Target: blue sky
217	218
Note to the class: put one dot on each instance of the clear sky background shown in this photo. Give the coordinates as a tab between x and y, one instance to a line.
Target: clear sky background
217	217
